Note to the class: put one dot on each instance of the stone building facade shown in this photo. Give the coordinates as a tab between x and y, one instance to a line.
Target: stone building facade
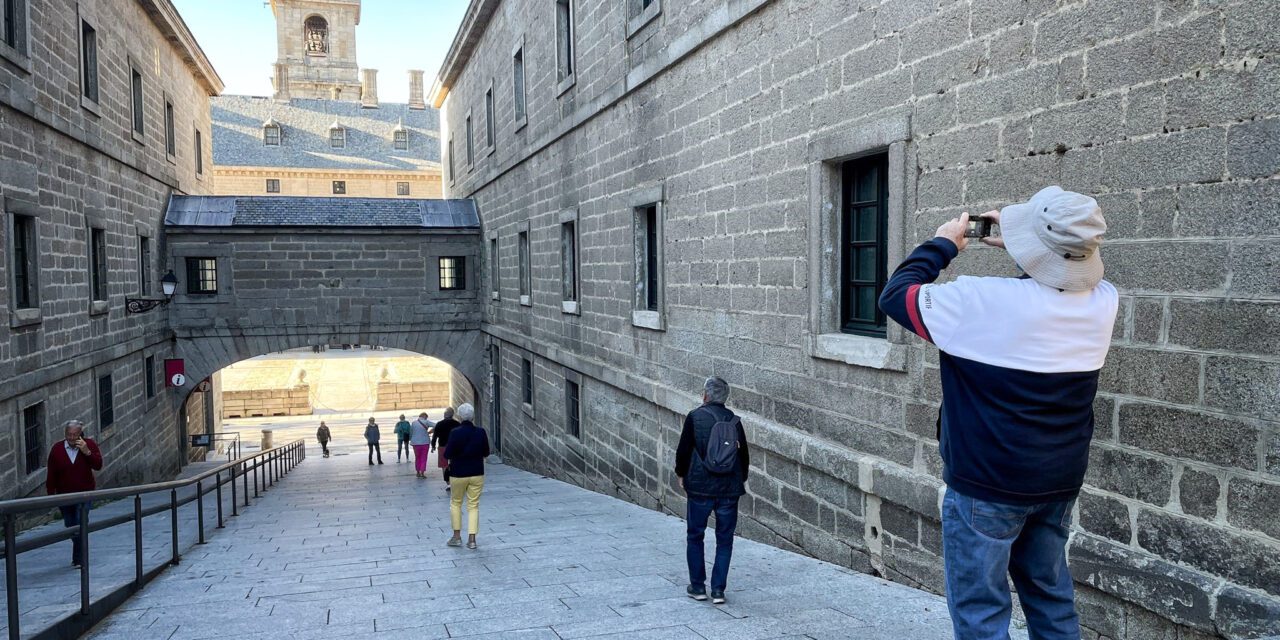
104	113
664	191
324	132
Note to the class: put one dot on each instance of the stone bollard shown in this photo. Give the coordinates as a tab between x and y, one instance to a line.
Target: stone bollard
266	439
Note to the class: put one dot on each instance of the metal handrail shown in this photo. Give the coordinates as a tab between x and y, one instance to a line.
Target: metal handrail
274	463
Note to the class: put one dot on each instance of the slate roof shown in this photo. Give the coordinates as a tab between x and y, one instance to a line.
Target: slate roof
305	211
304	134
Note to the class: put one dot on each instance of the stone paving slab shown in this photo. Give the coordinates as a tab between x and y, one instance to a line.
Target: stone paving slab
340	549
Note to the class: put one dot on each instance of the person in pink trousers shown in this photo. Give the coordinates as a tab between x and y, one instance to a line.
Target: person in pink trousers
420	438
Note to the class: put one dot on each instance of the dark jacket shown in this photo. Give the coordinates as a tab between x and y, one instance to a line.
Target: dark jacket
468	447
693	439
440	437
372	434
65	476
322	434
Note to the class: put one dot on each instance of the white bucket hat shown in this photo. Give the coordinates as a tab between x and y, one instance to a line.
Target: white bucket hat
1054	237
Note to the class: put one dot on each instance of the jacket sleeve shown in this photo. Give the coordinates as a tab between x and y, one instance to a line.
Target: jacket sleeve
684	450
435	438
95	455
744	452
901	298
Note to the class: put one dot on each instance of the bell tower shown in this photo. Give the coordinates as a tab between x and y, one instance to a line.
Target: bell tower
316	45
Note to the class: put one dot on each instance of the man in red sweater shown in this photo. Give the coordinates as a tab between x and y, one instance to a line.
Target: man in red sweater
71	465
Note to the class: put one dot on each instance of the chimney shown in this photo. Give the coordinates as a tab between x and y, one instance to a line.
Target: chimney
415	90
281	82
369	88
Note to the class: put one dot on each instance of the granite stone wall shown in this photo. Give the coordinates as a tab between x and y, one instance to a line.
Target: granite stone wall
736	114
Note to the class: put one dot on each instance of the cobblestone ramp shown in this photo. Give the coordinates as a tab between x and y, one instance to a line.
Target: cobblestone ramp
342	549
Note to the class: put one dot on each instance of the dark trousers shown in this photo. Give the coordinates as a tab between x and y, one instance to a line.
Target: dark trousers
71	518
401	443
700	510
373	446
324	447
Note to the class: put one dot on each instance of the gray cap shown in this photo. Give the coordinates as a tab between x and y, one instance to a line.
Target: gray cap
1055	236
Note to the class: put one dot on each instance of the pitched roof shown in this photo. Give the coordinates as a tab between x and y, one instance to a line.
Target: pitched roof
304	211
304	135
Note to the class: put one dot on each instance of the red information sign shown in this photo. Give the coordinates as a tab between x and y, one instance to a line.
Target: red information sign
175	373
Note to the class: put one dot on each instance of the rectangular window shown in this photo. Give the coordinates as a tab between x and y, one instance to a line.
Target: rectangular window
271	136
488	117
149	375
136	86
98	263
453	273
450	158
33	437
517	66
470	155
564	37
199	153
339	187
526	380
401	140
25	262
402	188
170	136
273	185
494	281
202	275
106	403
144	266
338	138
864	222
572	409
569	260
524	264
14	29
88	62
648	239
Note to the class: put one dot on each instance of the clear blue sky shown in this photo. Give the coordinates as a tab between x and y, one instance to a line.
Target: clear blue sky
239	36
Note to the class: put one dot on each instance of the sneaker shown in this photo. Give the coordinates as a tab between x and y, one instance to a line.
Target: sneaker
454	542
471	545
696	594
717	597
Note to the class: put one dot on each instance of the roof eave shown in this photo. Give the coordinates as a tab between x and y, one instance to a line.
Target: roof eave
166	17
474	24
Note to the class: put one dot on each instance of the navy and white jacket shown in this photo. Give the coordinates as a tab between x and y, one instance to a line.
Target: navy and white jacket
1020	365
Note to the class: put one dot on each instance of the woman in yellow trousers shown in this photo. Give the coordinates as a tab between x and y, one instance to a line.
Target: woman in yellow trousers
468	447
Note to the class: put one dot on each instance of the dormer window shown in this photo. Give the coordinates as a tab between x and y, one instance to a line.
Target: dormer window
316	35
271	133
401	138
337	136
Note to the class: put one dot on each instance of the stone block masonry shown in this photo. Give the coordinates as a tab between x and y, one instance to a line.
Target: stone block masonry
412	396
295	401
738	114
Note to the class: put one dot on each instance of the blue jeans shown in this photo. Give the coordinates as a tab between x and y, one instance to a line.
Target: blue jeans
985	543
700	509
71	518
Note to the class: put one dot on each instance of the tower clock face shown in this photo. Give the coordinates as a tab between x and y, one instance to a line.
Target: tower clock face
178	379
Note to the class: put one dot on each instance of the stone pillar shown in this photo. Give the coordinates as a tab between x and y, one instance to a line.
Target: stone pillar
415	90
369	88
281	81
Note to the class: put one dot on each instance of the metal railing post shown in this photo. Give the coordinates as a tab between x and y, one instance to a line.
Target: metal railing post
200	511
173	523
217	477
11	573
244	477
83	533
255	477
137	540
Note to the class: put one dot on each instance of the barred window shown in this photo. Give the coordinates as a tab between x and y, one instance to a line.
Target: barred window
338	138
88	61
144	265
149	375
139	121
25	262
170	137
98	263
106	402
273	185
33	436
573	408
402	188
202	275
271	135
526	379
402	140
453	273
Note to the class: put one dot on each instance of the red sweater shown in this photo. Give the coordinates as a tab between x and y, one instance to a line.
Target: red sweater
66	476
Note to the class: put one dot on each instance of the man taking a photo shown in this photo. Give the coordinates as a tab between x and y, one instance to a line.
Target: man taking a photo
1019	363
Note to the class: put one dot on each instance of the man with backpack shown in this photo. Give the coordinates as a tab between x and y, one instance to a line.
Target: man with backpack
712	462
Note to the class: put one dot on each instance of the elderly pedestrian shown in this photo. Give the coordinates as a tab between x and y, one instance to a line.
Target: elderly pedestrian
712	462
1019	363
323	436
440	439
468	447
371	436
402	431
420	438
70	470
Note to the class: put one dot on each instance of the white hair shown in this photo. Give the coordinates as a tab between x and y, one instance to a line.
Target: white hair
466	412
73	424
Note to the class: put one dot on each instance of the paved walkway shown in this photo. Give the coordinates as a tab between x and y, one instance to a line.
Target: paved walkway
341	549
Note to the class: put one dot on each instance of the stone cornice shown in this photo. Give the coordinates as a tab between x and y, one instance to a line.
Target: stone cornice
276	172
169	21
474	24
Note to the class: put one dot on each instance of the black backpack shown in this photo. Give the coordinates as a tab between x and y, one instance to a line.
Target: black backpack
722	447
